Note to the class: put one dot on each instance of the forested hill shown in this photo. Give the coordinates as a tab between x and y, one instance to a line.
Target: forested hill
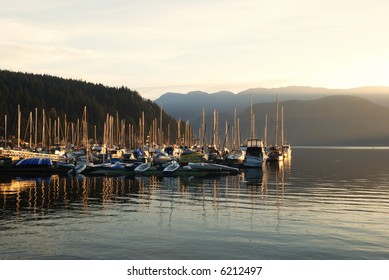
60	96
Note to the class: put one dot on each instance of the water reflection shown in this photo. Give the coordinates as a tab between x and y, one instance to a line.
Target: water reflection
66	192
308	210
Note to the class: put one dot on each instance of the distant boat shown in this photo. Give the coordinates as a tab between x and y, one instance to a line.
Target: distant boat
255	154
143	167
275	154
173	166
285	147
286	150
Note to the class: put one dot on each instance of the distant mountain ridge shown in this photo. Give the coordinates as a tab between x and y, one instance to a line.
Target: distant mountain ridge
313	116
176	103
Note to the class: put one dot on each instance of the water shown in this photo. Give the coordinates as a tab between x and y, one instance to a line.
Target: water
323	204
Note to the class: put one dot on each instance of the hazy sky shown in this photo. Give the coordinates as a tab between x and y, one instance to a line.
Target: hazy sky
156	46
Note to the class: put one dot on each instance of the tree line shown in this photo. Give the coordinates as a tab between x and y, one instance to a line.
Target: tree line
60	97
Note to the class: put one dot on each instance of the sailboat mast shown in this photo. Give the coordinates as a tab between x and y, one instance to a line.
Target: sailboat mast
265	132
203	128
19	120
234	132
251	116
36	128
276	144
282	125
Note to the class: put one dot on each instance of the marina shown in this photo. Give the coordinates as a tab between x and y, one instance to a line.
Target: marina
323	204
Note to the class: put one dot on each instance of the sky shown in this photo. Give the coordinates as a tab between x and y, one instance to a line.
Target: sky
159	46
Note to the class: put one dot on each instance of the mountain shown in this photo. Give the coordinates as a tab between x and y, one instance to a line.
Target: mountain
331	120
189	106
59	96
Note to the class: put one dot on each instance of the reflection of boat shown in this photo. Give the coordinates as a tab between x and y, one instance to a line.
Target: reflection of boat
143	167
255	153
253	174
173	166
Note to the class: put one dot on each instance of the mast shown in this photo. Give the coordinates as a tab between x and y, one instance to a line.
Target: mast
234	132
43	128
160	127
203	128
5	130
265	132
36	128
251	116
30	130
276	144
19	120
282	126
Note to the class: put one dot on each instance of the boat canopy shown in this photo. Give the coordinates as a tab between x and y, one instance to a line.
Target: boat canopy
35	162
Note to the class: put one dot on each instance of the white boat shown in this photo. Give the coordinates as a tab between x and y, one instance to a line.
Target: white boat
236	157
143	167
77	169
173	166
287	150
255	154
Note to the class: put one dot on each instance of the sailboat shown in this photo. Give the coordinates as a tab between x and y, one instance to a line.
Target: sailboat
275	153
255	152
286	148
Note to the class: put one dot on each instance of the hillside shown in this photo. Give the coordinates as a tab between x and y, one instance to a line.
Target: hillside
188	106
63	96
332	120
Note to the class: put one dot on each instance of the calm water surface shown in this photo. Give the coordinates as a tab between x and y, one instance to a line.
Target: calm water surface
323	204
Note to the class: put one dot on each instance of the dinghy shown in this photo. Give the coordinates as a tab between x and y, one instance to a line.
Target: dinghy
143	167
173	166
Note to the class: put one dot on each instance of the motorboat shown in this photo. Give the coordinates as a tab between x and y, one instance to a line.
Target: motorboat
142	167
255	154
173	166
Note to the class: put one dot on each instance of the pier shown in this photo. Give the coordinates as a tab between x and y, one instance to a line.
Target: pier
26	154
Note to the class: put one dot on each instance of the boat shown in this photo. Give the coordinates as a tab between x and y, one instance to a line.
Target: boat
255	153
188	156
286	150
275	154
142	167
161	158
236	158
77	169
173	166
285	147
33	166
